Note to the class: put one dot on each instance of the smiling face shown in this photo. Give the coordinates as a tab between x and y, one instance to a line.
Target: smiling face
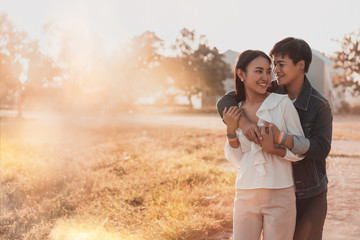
257	76
286	71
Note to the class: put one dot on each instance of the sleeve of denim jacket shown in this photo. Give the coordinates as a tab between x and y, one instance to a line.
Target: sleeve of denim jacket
320	134
228	100
301	144
293	127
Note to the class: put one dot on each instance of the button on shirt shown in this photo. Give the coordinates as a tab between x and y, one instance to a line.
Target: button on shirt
258	169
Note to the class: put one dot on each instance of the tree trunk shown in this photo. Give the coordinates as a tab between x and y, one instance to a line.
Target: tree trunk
20	104
19	108
190	101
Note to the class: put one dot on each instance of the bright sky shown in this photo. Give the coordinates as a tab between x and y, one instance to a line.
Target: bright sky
228	24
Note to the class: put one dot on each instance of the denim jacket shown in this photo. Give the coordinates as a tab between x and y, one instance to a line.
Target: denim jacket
309	174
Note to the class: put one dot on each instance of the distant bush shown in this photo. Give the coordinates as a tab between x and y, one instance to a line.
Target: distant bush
355	110
344	108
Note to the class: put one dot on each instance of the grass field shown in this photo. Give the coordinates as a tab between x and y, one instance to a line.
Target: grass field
67	180
61	181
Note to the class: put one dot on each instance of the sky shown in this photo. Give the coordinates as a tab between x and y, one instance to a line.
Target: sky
228	24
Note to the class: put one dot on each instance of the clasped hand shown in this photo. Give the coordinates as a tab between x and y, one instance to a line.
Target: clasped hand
266	136
267	139
231	117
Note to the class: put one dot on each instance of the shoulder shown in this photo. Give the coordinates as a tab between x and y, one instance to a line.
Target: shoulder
284	102
274	101
228	99
231	93
317	97
281	98
229	96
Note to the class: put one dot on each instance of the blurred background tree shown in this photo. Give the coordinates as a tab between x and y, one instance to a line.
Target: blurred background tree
197	68
40	74
79	74
24	70
83	67
137	69
348	60
11	46
212	71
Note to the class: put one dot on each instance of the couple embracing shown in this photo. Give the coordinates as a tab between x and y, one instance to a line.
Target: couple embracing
278	136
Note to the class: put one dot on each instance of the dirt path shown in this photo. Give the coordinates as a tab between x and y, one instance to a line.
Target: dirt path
343	218
343	168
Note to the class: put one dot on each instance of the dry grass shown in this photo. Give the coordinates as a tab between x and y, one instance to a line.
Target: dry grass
76	180
65	181
346	127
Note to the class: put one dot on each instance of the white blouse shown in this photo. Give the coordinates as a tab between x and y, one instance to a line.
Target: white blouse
258	169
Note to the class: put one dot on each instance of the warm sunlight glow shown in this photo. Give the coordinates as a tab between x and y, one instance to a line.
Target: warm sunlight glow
80	47
77	229
109	127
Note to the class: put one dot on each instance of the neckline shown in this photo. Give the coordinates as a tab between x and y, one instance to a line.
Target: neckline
260	108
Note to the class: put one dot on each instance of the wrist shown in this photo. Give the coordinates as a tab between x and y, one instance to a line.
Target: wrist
270	149
279	151
232	138
289	141
276	137
281	138
274	150
231	131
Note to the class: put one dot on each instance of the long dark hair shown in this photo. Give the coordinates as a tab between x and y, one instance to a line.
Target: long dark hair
242	62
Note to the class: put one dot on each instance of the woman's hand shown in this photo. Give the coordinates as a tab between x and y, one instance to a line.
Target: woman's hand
267	141
275	130
251	131
231	118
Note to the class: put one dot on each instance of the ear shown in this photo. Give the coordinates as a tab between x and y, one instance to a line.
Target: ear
240	74
301	65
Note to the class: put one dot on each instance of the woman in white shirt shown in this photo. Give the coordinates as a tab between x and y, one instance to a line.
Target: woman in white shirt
265	198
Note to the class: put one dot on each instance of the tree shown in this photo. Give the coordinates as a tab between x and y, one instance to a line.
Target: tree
348	60
197	68
23	68
138	69
213	70
74	56
39	74
11	46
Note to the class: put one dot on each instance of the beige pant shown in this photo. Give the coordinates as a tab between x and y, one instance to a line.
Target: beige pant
270	210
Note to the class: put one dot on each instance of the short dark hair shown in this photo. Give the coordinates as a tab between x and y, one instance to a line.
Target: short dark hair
242	62
296	49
